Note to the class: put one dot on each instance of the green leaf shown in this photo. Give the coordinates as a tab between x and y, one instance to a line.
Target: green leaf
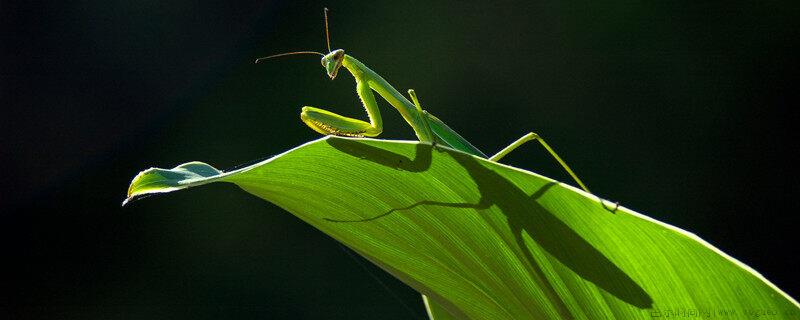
487	241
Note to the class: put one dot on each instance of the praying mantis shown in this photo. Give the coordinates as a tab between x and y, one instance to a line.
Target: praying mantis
427	127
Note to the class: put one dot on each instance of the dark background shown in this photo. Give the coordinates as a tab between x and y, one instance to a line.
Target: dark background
679	110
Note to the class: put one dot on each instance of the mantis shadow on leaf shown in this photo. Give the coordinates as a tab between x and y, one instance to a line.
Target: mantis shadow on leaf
524	216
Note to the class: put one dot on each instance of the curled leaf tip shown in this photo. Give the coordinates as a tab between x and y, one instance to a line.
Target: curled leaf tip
158	180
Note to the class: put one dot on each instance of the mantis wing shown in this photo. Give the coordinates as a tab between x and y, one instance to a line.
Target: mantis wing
451	138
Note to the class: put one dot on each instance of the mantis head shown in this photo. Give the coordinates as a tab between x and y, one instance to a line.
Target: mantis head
332	62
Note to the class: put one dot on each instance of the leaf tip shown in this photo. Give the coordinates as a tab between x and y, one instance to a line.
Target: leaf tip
158	180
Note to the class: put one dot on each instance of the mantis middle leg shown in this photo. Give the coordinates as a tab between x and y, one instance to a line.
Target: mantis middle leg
423	115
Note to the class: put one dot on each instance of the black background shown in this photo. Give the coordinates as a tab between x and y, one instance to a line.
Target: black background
680	110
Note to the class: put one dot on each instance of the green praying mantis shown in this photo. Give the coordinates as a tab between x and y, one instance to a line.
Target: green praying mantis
426	126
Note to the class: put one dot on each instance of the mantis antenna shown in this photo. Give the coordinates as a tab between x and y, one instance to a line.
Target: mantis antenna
327	34
327	41
287	54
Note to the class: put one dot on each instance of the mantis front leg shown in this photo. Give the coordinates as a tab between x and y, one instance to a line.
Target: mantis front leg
326	122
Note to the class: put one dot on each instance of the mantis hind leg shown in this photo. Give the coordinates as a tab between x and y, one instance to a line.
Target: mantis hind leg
326	122
533	136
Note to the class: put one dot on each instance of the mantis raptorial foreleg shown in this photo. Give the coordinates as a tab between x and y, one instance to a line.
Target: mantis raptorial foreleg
533	136
327	122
